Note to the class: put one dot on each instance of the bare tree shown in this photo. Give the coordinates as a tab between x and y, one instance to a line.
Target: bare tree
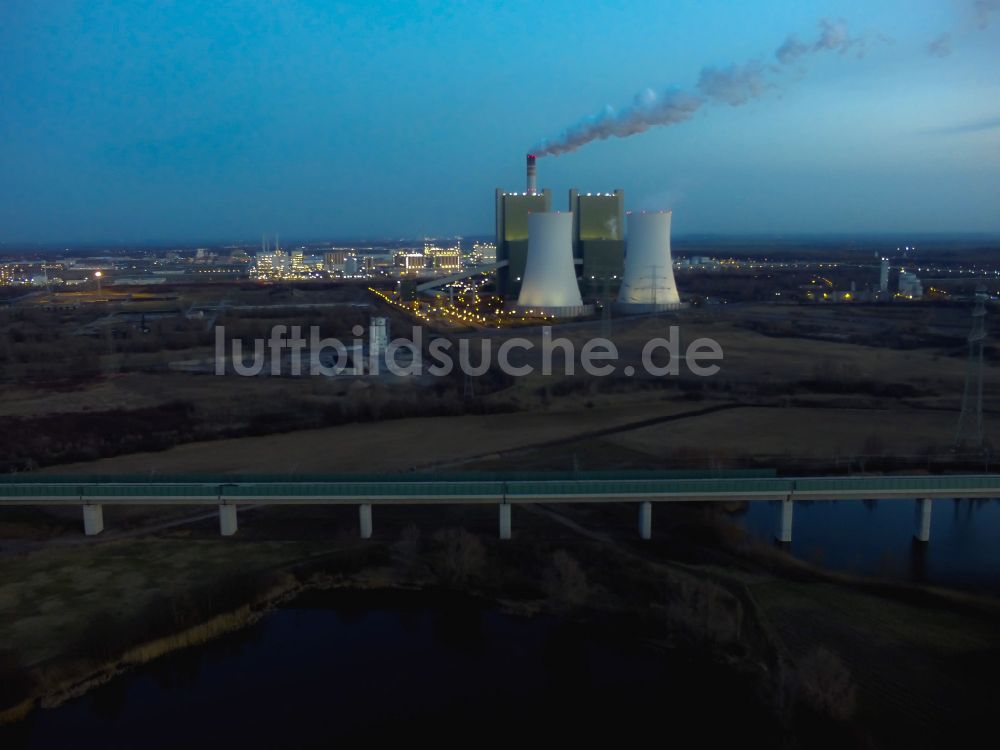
565	582
462	555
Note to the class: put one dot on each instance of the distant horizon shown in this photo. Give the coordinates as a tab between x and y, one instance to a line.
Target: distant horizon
881	237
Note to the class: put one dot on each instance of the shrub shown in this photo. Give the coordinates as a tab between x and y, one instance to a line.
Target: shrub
461	556
705	612
825	684
565	582
407	549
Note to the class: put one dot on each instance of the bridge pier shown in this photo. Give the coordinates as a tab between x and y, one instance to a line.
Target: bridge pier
365	517
922	527
93	519
505	520
646	520
784	531
227	520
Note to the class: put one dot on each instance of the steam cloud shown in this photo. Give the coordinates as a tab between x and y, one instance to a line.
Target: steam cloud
735	85
940	47
647	110
984	9
833	37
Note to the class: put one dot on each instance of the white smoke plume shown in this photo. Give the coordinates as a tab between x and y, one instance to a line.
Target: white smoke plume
734	85
833	37
648	109
985	9
940	47
982	12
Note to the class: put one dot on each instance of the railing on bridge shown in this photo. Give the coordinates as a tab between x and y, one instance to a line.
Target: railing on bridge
364	490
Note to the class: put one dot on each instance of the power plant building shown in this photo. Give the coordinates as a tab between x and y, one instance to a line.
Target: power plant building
598	235
512	211
548	257
648	285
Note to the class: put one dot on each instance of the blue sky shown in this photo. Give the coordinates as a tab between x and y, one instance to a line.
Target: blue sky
196	121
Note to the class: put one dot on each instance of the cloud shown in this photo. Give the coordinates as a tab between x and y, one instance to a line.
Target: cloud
940	47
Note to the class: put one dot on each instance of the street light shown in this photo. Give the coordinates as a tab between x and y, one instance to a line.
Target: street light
97	275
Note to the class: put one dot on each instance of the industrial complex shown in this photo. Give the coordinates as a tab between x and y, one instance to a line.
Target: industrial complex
554	262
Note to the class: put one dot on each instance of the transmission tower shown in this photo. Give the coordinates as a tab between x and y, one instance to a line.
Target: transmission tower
970	423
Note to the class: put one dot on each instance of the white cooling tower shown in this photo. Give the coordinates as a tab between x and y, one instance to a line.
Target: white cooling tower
648	284
549	284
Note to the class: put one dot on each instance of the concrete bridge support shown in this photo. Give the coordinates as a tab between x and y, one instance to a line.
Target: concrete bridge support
365	514
93	519
922	528
784	531
646	520
227	520
505	520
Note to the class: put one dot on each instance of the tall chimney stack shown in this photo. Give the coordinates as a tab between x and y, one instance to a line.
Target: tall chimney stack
532	187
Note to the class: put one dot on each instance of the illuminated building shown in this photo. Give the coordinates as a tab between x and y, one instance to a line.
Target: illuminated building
409	262
512	211
352	266
484	252
334	259
598	234
272	265
910	286
444	258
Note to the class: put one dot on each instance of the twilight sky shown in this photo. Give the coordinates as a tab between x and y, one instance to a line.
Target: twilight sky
208	121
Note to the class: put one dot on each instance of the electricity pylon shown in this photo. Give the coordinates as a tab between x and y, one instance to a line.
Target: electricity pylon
970	423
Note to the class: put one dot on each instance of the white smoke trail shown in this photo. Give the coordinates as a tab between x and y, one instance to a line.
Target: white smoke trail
734	85
940	46
985	9
647	110
833	37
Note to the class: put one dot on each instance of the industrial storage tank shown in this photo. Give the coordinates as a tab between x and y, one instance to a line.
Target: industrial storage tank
648	284
550	284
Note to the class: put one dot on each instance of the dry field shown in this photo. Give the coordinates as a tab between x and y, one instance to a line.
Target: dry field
800	432
397	445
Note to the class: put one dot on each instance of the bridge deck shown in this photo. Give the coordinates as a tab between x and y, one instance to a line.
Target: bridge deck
404	489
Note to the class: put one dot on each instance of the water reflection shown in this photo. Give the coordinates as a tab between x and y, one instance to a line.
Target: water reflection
875	538
338	666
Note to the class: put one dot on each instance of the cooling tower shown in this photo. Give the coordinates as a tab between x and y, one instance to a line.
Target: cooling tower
648	284
549	284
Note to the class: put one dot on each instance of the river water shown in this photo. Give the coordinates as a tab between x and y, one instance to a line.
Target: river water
420	668
424	667
875	538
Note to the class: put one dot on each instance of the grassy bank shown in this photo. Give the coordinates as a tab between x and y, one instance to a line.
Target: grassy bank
845	658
